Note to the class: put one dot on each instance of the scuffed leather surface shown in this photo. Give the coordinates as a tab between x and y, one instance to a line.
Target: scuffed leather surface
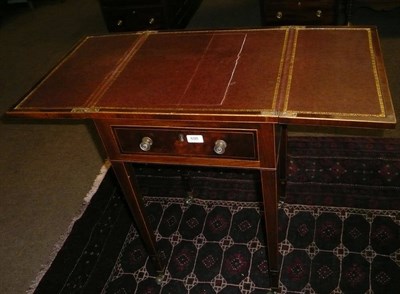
300	75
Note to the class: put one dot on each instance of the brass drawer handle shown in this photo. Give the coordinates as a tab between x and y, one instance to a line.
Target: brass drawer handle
146	143
220	146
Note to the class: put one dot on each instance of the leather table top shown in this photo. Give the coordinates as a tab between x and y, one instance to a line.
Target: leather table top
291	75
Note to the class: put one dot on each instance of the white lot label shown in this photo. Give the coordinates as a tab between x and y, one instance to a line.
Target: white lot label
195	138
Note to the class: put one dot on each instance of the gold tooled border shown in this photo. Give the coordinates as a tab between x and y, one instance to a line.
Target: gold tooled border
264	111
90	104
91	108
99	92
280	71
374	70
20	105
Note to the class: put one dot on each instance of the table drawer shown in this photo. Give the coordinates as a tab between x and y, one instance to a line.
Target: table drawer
300	12
134	18
235	144
130	2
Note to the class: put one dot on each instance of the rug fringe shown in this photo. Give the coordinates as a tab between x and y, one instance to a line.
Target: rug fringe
97	182
44	268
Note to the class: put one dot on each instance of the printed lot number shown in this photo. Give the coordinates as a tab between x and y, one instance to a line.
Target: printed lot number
194	138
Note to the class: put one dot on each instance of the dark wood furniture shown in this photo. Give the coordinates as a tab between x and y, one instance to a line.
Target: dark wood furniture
302	12
378	5
135	15
215	98
317	12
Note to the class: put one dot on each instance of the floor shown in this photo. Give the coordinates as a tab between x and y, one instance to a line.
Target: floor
47	168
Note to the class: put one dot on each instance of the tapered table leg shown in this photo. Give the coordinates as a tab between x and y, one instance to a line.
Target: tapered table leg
270	203
282	162
126	179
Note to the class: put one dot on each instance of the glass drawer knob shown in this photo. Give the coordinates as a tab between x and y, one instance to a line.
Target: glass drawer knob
146	143
279	15
220	146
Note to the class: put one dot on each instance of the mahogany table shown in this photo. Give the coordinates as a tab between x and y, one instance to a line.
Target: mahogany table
215	98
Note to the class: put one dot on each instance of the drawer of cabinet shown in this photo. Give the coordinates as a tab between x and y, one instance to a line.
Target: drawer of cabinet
130	2
300	12
132	18
235	144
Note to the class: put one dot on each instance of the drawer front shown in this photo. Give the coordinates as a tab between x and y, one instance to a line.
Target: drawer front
128	19
235	144
300	12
130	2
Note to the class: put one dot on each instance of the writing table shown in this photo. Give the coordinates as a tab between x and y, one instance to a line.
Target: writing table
215	98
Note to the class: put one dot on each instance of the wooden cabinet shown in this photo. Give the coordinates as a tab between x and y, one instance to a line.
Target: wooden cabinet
134	15
287	12
377	5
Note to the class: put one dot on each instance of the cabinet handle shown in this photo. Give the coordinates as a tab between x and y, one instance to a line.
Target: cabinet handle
318	13
279	15
220	146
146	143
151	20
119	23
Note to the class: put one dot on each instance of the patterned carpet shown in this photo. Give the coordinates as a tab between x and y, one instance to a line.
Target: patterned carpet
339	228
